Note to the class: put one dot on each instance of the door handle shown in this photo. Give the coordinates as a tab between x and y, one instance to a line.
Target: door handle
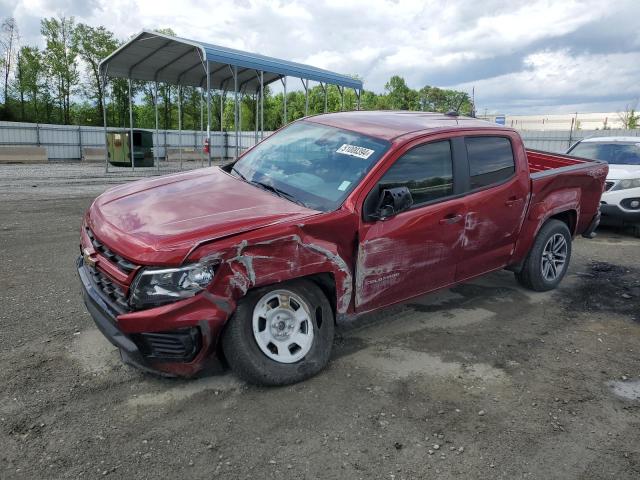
451	218
511	201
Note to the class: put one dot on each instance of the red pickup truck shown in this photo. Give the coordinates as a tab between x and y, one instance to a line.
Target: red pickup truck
332	216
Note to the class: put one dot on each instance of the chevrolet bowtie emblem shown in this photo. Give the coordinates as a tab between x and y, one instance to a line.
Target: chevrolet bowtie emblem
88	259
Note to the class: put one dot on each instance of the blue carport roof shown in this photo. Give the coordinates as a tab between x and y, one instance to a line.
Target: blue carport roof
153	56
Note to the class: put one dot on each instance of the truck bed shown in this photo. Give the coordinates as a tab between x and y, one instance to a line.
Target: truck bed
563	183
540	162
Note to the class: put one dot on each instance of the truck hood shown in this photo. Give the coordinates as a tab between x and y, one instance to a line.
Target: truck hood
622	172
160	220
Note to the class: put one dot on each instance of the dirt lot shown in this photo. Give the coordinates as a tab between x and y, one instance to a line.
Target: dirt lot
485	380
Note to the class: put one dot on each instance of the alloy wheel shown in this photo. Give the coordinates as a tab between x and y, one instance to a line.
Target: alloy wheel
554	257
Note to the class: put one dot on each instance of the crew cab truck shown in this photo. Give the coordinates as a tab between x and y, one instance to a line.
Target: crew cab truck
332	216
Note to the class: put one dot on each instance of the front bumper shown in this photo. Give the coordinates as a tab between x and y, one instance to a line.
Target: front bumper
105	319
134	333
616	216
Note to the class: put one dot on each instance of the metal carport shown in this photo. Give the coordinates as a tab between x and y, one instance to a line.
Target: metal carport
155	57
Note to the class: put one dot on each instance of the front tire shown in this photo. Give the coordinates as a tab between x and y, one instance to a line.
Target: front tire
280	334
548	260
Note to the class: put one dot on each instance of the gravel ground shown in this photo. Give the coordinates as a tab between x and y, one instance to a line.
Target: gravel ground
485	380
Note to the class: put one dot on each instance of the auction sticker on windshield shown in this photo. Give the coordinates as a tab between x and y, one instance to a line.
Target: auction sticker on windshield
355	151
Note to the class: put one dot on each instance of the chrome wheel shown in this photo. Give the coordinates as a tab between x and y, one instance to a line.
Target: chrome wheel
554	256
282	326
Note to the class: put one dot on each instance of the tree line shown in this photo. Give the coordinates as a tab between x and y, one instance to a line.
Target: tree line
60	83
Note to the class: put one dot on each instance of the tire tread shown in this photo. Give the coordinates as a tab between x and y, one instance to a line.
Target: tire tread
530	276
249	363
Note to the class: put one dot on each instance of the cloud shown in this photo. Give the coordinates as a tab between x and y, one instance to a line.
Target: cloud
557	77
520	55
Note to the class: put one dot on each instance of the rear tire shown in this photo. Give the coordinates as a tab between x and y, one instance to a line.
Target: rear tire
280	334
548	260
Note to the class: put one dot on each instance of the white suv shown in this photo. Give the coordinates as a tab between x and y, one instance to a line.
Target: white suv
620	203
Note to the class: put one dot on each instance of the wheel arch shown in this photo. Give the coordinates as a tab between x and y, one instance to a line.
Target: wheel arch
324	280
569	217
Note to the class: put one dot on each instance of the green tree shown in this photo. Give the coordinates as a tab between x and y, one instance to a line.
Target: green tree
434	99
630	117
401	97
94	44
9	44
30	81
61	58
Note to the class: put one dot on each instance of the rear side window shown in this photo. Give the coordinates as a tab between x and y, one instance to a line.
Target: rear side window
427	172
490	160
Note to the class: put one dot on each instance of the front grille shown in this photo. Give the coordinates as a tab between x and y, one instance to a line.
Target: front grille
111	291
180	344
124	265
608	185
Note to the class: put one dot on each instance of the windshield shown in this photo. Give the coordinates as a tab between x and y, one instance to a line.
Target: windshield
311	164
615	153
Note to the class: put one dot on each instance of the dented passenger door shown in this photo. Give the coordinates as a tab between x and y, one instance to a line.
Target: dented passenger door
497	196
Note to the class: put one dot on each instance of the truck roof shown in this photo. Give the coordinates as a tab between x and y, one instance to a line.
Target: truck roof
387	124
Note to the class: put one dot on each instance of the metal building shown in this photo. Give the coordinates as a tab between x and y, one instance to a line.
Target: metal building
155	57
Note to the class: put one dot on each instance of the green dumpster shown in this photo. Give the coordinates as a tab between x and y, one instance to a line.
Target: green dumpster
118	146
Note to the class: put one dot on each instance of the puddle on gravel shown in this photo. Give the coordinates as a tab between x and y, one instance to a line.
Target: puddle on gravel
401	363
605	287
186	389
626	390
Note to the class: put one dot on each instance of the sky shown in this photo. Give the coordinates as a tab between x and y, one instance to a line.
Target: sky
521	57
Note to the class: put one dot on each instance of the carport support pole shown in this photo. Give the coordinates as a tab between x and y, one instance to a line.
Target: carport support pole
104	120
156	150
180	124
133	160
257	121
305	84
239	129
261	105
284	84
209	112
324	89
235	106
201	127
223	147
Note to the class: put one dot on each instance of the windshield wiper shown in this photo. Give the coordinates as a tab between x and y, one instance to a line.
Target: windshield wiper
277	191
271	188
235	170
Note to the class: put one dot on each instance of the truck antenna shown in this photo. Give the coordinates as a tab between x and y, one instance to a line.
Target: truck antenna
456	111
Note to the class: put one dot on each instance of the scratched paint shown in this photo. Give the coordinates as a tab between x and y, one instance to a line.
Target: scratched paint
270	261
384	264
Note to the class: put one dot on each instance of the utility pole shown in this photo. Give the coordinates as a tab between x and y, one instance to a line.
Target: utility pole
473	101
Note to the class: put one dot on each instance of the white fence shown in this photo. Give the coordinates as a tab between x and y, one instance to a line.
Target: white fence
559	141
65	142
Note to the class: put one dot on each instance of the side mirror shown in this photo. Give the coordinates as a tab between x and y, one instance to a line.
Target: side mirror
393	201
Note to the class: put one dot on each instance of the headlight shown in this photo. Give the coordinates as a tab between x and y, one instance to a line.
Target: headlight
153	287
628	183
